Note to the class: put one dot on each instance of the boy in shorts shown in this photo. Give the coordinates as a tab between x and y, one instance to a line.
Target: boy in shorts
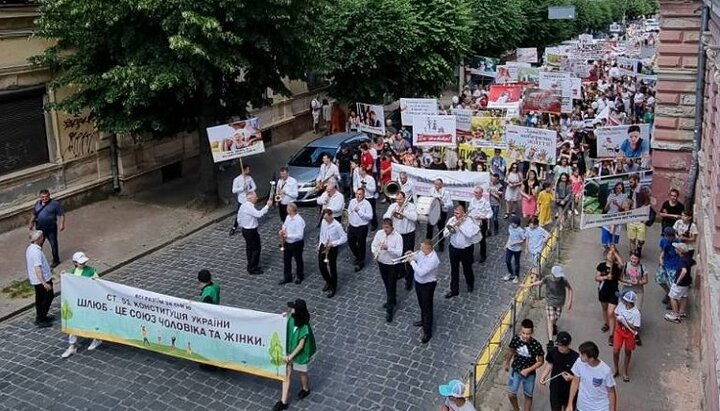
668	262
526	355
679	289
628	324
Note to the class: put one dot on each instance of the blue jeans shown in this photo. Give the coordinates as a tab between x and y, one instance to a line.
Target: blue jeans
51	235
509	256
528	383
495	218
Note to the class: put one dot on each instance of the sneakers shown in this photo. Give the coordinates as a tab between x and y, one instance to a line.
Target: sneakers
94	344
514	280
507	277
70	351
672	317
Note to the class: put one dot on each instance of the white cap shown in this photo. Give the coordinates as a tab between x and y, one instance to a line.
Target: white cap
557	271
35	235
80	258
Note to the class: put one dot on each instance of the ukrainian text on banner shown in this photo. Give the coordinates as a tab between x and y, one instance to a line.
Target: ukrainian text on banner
235	140
242	340
561	81
609	200
434	131
531	144
460	184
630	141
371	118
410	107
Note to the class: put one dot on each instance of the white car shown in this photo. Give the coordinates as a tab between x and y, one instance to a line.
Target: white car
652	25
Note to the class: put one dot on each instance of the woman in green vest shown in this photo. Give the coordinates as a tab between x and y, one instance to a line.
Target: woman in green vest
300	350
209	291
83	270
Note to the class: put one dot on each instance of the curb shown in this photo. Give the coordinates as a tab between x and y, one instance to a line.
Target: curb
135	257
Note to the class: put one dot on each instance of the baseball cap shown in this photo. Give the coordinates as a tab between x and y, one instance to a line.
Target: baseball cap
681	247
454	388
298	304
630	297
563	338
668	231
557	271
80	258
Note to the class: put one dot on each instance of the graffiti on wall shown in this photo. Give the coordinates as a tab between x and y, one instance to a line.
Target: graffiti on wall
79	135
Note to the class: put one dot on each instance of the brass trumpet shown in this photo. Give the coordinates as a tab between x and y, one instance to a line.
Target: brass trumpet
398	213
282	235
327	252
380	249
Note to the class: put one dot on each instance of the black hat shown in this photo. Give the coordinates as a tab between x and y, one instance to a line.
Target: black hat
204	276
563	338
298	304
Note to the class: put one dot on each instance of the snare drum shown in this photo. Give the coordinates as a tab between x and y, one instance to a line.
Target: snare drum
428	210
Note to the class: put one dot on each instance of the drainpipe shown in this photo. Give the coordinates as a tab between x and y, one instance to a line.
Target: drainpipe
114	169
699	109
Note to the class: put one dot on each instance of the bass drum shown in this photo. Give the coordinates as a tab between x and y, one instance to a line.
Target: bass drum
428	210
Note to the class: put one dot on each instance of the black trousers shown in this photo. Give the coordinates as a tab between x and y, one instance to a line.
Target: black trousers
357	241
43	299
425	294
252	248
329	275
51	235
235	223
388	273
374	220
282	209
484	227
406	270
464	256
293	250
440	225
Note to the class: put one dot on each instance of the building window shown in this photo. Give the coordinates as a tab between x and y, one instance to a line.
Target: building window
23	138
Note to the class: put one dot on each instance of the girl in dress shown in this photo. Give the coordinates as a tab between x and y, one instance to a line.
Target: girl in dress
512	191
529	192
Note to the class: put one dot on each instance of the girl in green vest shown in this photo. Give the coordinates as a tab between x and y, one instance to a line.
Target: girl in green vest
83	270
300	350
209	291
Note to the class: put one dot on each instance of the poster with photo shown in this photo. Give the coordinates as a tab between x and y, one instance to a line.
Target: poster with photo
528	74
413	106
504	96
483	66
234	140
371	118
531	144
627	66
487	132
612	200
526	54
543	101
576	67
503	76
434	131
630	141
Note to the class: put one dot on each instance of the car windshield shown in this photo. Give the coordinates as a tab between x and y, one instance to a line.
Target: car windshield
310	156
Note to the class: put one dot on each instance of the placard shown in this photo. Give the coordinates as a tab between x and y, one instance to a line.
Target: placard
604	206
543	101
487	132
414	106
527	54
531	144
434	131
483	66
371	118
630	141
235	140
460	184
504	96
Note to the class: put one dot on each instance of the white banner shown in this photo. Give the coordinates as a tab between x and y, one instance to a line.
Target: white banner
463	118
627	67
603	207
550	80
531	144
371	118
576	88
629	141
459	183
410	107
527	55
434	131
235	140
242	340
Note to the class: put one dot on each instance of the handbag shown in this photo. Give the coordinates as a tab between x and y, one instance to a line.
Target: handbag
651	217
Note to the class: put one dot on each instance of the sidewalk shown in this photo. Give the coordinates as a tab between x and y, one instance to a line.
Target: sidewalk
662	371
122	229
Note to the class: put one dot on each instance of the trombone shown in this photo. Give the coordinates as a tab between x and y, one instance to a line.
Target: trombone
409	255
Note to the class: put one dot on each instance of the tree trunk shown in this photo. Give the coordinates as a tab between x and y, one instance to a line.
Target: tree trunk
209	196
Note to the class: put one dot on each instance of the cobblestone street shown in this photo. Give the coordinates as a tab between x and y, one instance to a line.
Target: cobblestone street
362	362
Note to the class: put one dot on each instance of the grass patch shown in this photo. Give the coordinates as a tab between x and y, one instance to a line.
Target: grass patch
19	289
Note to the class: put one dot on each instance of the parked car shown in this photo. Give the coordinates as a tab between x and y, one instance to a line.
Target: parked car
652	25
304	165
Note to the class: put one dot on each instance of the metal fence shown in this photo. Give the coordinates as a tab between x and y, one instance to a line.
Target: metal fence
506	326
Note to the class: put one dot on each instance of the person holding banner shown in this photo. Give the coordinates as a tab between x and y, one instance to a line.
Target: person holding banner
248	220
443	196
332	236
81	269
481	212
300	351
387	246
404	215
242	186
360	214
287	189
461	231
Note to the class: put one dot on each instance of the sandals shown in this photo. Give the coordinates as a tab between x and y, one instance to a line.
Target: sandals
605	328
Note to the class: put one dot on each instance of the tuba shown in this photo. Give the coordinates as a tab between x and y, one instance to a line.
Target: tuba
391	189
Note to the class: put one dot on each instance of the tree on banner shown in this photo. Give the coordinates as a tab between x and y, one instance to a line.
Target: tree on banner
277	354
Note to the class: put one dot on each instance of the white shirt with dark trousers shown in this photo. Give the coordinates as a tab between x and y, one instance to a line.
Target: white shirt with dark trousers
388	269
406	224
34	257
290	186
248	221
248	215
332	232
425	271
462	237
328	173
461	252
294	243
426	267
358	229
361	216
295	228
336	203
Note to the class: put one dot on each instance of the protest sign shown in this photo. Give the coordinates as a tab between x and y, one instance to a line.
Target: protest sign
483	66
235	140
413	106
575	66
371	118
576	88
434	131
526	54
462	123
504	96
487	132
543	101
627	66
228	337
460	184
609	200
528	74
570	89
503	76
531	144
629	141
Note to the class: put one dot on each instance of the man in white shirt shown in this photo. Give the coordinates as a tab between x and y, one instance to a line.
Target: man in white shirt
443	196
287	189
292	234
329	174
40	277
359	216
332	236
247	219
386	247
461	230
241	187
481	212
425	266
406	186
366	181
332	200
592	381
316	109
404	216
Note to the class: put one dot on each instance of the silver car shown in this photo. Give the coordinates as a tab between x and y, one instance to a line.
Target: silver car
305	164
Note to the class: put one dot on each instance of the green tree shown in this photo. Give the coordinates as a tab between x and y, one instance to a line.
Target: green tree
276	351
500	26
541	31
155	67
65	310
376	49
